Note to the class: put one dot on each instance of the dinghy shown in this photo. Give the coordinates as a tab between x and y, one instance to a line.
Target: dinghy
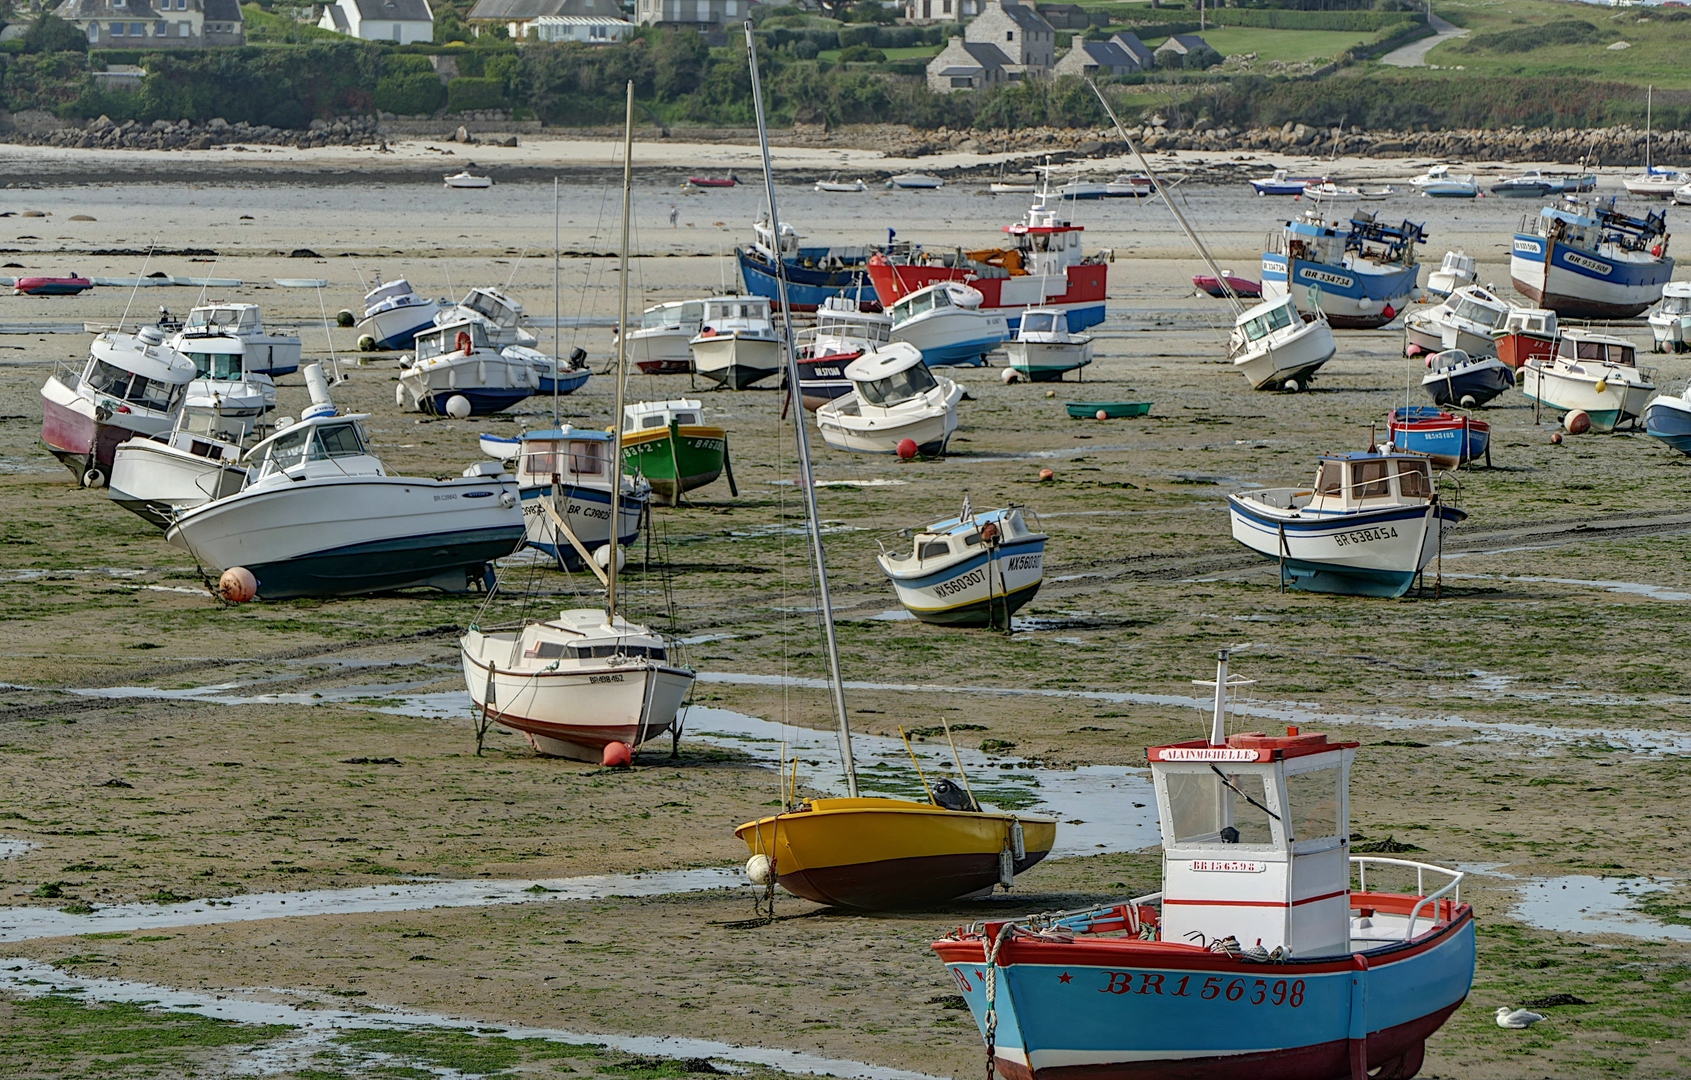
1448	440
1370	524
970	570
1242	287
1457	269
736	345
946	322
837	186
1668	417
842	333
1593	372
1043	349
1274	347
1469	381
915	181
1670	320
660	346
894	397
394	313
131	384
668	444
1270	951
464	178
40	285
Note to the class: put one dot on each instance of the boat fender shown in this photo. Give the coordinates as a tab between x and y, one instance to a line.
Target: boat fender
366	343
458	406
399	395
1006	868
462	343
1018	843
507	499
93	478
759	870
1390	313
481	372
1602	386
1366	303
1010	376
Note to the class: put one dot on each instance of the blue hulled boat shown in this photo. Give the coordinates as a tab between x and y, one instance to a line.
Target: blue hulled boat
1587	260
814	274
1449	439
1669	419
1361	273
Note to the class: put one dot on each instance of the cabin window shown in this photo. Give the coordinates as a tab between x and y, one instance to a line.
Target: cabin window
223	366
1676	305
692	312
1315	804
541	459
1413	480
587	458
1369	481
289	449
1330	480
934	549
972	540
900	386
1039	324
341	440
686	418
651	422
1217	808
136	389
656	319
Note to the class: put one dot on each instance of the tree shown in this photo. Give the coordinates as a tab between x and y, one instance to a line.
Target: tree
49	33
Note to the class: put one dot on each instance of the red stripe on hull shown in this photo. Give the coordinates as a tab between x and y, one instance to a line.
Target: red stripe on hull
892	884
594	736
666	367
1088	283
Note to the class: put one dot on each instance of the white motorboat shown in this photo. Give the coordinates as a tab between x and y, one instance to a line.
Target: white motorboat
1327	191
970	570
1130	187
1371	523
894	397
1469	320
394	313
1594	372
221	387
1043	349
1668	417
660	346
1456	270
1274	347
915	181
458	372
1439	182
195	463
946	322
131	384
736	344
1682	195
1080	188
1011	187
321	516
1656	183
1670	320
501	317
575	464
238	329
835	184
843	332
1456	378
466	179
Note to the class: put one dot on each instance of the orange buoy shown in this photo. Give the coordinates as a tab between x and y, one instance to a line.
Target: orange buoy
237	585
463	341
1556	438
1102	415
1577	422
617	756
906	449
1046	474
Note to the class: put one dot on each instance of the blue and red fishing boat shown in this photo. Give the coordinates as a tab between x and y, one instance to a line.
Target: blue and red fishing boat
1449	439
1257	959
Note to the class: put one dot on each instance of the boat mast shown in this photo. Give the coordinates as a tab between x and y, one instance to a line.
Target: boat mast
613	543
557	327
806	480
1649	100
1186	227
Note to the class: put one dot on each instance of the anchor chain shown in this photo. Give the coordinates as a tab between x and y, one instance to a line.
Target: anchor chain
991	1022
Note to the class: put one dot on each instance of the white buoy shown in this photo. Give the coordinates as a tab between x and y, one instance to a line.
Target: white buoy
760	870
603	557
1011	375
1291	386
1467	401
458	406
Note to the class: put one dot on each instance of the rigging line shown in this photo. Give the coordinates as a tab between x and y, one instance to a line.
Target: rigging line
137	286
1242	795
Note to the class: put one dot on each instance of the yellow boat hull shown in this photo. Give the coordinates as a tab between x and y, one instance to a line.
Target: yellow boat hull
885	854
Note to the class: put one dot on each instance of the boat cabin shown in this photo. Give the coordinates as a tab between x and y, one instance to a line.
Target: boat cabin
840	319
1676	299
890	376
1256	832
219	360
1043	324
646	415
945	541
1473	304
1370	481
238	320
333	443
1046	241
138	372
1267	318
494	306
1538	322
725	313
394	294
565	455
935	297
1600	348
465	336
583	634
675	315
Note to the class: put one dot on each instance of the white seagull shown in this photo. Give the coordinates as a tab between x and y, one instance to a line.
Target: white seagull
1516	1018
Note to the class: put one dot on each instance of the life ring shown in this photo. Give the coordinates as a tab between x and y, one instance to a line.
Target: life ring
709	331
463	342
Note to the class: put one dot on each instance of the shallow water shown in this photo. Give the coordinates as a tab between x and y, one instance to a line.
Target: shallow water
316	1024
1579	904
1630	588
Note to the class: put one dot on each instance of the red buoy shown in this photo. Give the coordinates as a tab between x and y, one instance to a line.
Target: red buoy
1556	438
907	449
237	585
1578	422
1046	474
617	756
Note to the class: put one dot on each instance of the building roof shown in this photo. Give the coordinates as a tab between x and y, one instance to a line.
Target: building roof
524	10
1129	43
74	10
223	11
985	55
1025	17
1185	43
393	10
581	20
1108	54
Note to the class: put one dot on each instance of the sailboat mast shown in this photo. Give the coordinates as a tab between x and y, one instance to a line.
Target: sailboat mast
1649	102
807	480
557	311
614	541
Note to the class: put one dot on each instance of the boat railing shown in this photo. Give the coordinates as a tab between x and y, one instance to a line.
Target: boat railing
1423	898
1077	920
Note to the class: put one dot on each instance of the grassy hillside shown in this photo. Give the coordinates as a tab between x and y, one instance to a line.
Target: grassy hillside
1285	46
1570	40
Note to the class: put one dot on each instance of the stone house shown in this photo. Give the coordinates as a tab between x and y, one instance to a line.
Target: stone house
403	22
938	11
1098	59
156	24
1187	51
1008	42
1065	16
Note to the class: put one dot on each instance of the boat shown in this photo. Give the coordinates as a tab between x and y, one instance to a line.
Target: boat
660	347
1130	187
1527	333
1361	273
238	330
1258	957
1044	268
1455	270
1656	183
195	463
1535	184
1469	319
915	181
41	285
1448	440
714	181
1587	260
1668	417
1372	521
1594	372
946	321
131	384
1218	287
1274	347
466	179
1080	188
736	344
894	397
1043	349
223	389
835	184
975	569
668	444
500	316
1669	318
458	372
1281	183
1112	410
1331	192
394	313
568	469
814	274
842	333
1457	378
1439	182
1682	195
322	516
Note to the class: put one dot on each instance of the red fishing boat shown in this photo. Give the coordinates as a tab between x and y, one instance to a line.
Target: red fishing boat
1045	268
1244	288
40	285
714	181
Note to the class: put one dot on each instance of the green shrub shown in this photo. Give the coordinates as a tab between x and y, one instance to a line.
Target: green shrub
49	33
411	64
410	93
862	54
1528	38
463	94
851	36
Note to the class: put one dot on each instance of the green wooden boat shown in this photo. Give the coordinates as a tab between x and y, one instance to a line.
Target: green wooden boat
1112	410
664	442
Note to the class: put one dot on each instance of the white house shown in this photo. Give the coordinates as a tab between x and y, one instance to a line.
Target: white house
704	16
935	11
405	22
518	17
155	24
588	29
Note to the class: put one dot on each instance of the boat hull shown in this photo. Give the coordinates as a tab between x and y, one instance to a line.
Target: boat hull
954	336
1563	392
1125	1010
1271	364
157	481
1079	291
85	437
1584	284
1047	361
676	459
588	511
397	328
1370	553
1449	441
822	379
1469	385
661	352
890	854
1669	419
982	590
1352	298
734	360
808	288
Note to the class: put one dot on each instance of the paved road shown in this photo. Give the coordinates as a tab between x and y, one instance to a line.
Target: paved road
1414	54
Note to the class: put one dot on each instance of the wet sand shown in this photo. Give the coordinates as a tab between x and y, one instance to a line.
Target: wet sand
1537	624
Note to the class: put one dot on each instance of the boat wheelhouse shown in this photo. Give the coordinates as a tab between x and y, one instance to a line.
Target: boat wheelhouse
131	384
1585	259
659	347
814	274
1361	273
1275	347
975	569
394	313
